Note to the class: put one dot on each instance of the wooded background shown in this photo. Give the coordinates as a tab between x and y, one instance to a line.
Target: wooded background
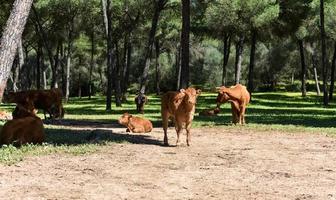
118	47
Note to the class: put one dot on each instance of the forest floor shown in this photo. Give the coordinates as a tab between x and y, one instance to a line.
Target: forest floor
221	163
286	151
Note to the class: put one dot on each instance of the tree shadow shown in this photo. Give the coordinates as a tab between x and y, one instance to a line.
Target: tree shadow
72	137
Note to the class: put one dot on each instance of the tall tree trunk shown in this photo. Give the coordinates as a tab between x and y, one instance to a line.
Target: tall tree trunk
127	63
43	36
157	66
324	55
149	47
332	79
92	61
250	85
239	59
315	63
108	12
79	85
54	68
68	65
178	67
38	65
117	77
45	78
226	56
185	37
10	39
303	69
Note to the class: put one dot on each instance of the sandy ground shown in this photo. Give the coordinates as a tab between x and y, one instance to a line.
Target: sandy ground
220	164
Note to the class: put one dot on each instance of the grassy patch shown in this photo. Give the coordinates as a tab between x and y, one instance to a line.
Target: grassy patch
287	112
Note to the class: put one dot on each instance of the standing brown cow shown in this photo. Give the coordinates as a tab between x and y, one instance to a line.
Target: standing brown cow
181	107
239	98
50	101
140	101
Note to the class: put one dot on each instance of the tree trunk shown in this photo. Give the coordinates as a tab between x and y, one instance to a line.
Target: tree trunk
92	61
332	79
250	85
109	50
157	66
324	55
185	37
43	36
239	59
54	68
149	47
178	67
315	63
10	39
79	85
45	78
127	63
117	77
68	65
226	56
303	69
38	65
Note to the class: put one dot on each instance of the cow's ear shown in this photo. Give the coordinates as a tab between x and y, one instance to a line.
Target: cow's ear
198	92
182	90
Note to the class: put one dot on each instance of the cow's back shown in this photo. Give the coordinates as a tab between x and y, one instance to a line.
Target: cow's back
23	130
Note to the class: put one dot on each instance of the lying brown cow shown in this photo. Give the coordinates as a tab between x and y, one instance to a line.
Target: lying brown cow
24	130
135	124
50	101
181	107
239	98
140	101
21	112
210	112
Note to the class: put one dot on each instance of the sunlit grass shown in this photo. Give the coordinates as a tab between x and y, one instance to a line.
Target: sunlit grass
284	112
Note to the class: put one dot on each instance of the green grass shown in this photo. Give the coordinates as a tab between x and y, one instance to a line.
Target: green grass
286	112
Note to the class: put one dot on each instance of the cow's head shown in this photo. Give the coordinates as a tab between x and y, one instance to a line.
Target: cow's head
21	111
140	102
222	96
124	119
190	95
57	111
216	110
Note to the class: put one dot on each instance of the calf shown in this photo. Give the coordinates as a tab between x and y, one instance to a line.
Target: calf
135	124
239	98
140	101
23	130
21	112
181	107
211	112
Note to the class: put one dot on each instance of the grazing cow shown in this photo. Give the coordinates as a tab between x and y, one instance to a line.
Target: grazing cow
181	107
239	98
140	101
210	112
50	101
135	124
23	130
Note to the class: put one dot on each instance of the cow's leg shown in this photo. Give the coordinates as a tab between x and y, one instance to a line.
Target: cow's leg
242	115
188	127
165	127
45	116
178	128
235	112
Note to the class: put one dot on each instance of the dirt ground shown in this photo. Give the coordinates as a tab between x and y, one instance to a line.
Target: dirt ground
220	164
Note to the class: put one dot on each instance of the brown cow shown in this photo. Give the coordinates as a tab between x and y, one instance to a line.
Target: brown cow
21	112
210	112
239	98
50	101
140	101
181	107
135	124
23	130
